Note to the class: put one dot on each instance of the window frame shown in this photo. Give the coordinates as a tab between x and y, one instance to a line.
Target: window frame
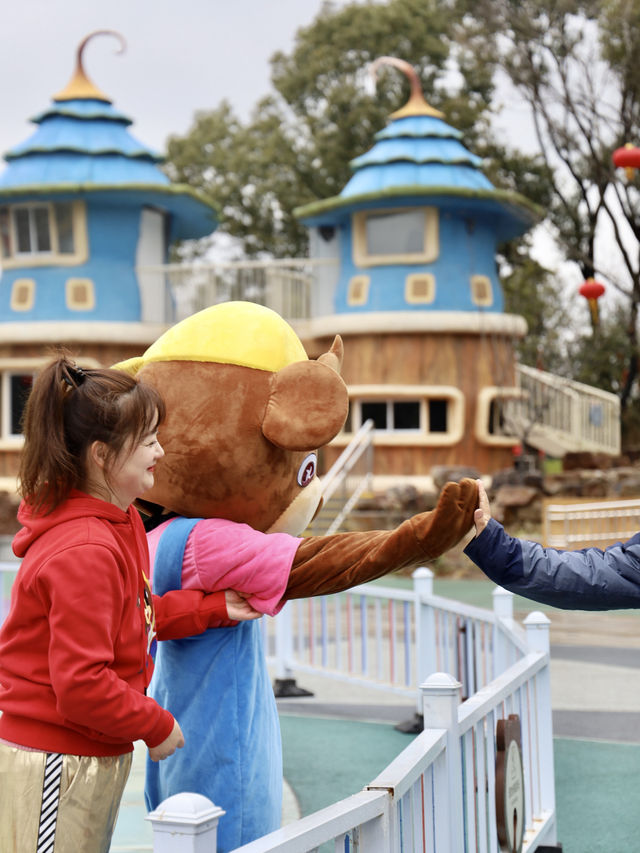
431	245
390	394
19	367
80	254
486	396
474	283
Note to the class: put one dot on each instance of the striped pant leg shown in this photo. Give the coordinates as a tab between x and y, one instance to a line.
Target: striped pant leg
75	814
50	803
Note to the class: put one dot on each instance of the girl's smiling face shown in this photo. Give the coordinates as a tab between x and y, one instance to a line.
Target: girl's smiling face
129	475
133	470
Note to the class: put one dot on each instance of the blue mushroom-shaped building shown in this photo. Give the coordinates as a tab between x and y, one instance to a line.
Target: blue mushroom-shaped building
82	204
414	291
87	217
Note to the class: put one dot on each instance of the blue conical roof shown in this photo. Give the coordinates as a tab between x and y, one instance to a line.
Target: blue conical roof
419	159
419	151
82	144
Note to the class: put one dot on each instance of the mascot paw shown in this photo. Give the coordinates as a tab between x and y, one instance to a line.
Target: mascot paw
451	519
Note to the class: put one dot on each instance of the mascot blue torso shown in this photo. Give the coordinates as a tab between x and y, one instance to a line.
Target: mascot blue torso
240	735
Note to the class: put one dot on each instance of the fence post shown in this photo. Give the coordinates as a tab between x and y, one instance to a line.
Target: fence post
284	643
537	628
185	823
441	694
425	630
502	610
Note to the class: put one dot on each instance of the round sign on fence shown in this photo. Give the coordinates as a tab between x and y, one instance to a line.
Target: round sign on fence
509	785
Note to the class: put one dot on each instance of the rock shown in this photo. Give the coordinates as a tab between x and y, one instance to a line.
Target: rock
441	474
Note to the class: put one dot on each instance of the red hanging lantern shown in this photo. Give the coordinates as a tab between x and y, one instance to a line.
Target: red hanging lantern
627	158
592	290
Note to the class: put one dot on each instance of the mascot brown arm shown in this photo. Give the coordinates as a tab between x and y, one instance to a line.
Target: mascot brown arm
307	407
328	564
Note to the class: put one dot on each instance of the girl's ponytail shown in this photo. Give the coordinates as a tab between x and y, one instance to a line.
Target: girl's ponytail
69	408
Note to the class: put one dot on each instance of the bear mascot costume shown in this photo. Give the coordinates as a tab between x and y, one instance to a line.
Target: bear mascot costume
247	411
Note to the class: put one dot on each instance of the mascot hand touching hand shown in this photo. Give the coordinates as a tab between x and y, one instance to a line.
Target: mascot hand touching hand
246	412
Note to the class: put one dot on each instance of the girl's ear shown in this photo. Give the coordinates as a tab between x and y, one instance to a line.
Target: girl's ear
98	454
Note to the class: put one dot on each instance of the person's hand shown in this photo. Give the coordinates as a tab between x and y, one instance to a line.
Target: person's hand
482	515
238	608
168	745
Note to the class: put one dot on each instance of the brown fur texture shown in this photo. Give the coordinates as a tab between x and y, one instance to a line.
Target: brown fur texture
235	437
328	564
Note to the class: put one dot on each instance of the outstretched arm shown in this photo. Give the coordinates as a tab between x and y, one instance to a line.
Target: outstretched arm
327	564
589	579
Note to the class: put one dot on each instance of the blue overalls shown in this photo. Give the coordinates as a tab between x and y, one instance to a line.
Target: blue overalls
217	687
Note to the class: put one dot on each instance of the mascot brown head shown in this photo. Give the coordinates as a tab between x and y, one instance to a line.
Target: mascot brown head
247	411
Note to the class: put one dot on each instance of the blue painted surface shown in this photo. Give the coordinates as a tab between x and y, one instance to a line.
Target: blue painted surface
421	126
56	168
61	133
419	161
464	252
377	178
418	151
82	148
87	108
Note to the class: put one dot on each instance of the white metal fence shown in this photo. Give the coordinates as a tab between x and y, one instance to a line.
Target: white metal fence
558	414
439	794
392	639
590	523
282	285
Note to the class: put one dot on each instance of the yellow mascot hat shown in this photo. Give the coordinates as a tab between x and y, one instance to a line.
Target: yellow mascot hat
241	333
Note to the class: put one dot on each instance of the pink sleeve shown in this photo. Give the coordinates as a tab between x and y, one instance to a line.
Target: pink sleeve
223	554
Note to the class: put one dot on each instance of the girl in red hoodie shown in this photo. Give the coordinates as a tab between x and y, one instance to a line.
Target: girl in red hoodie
76	650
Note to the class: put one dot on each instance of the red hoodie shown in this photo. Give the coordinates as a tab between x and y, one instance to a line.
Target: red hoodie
75	648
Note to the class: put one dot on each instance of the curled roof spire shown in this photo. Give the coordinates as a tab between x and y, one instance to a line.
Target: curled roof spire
416	105
80	87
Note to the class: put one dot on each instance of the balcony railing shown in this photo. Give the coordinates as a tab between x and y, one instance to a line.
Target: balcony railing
283	285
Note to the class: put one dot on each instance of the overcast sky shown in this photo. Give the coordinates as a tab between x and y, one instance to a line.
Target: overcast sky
180	57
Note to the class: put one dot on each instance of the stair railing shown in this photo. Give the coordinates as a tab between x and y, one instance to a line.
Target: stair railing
343	478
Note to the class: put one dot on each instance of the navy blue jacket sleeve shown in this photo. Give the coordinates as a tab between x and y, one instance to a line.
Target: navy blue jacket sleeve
589	579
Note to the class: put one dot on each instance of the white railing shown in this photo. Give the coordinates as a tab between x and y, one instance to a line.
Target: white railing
8	569
590	523
350	476
285	285
392	639
558	414
439	794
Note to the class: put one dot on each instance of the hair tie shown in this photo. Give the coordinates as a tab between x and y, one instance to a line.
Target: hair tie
76	373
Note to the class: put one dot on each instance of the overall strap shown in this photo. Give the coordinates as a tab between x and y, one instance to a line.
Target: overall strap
167	566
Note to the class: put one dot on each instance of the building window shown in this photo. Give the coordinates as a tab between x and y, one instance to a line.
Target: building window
420	288
23	294
499	412
16	380
402	236
45	233
438	410
15	390
80	294
481	290
358	293
408	414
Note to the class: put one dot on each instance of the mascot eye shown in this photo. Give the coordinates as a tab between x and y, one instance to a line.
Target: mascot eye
307	470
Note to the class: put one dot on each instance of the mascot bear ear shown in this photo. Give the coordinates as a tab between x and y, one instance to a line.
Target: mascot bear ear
308	403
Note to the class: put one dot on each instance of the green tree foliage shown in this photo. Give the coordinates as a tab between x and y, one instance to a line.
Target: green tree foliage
547	320
575	64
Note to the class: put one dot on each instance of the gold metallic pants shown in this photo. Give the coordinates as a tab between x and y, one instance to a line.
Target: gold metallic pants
65	804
